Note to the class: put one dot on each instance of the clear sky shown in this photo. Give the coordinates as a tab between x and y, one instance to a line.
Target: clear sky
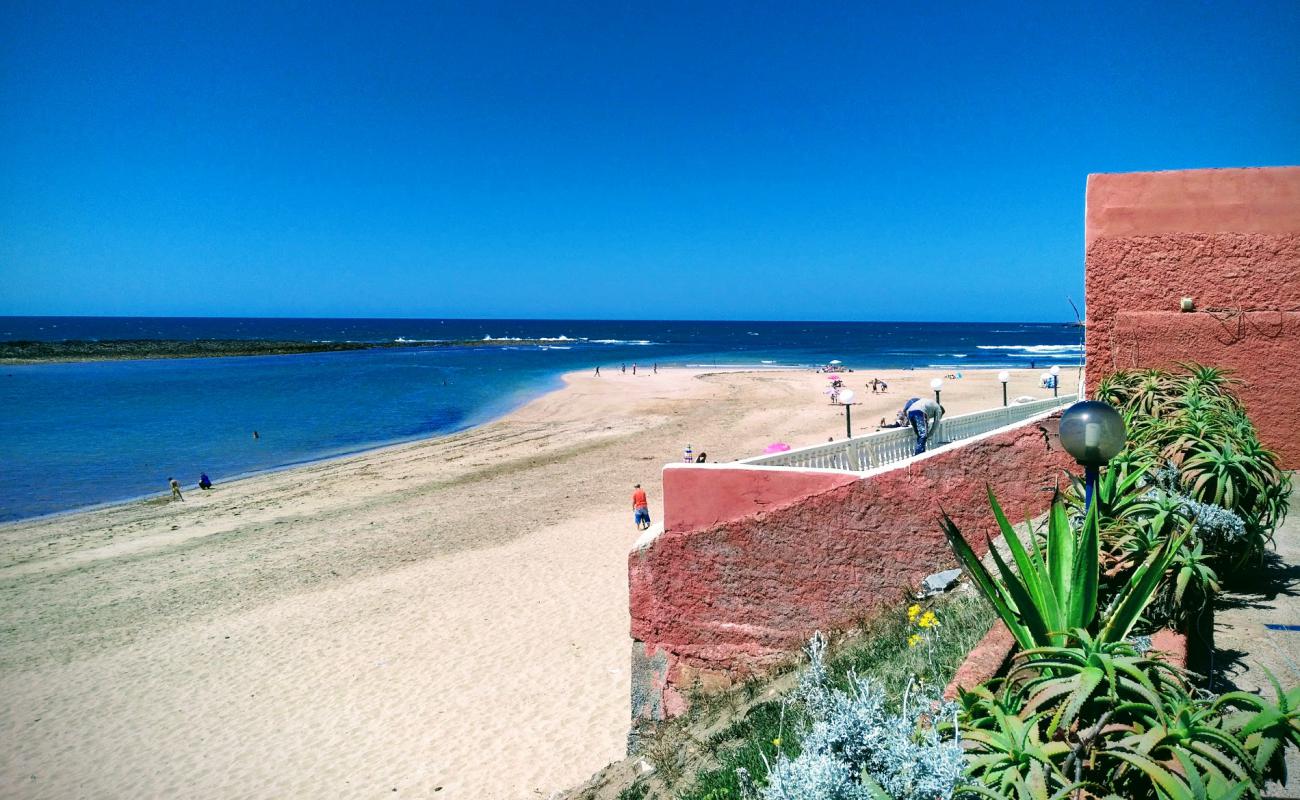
905	161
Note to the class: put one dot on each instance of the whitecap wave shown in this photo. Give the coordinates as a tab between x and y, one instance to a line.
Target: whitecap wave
638	342
1035	348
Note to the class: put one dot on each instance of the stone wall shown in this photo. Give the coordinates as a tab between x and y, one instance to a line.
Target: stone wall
1230	240
753	560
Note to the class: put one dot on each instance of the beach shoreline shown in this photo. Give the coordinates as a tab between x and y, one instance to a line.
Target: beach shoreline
447	612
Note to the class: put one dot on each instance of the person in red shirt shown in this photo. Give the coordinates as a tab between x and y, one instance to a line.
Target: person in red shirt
640	508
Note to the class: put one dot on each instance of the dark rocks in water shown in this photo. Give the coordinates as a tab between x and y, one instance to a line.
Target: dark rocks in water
17	352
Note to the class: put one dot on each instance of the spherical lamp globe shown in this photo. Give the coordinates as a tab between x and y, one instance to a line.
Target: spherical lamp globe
1092	432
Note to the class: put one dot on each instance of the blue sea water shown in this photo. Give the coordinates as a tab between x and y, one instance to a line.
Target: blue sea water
74	435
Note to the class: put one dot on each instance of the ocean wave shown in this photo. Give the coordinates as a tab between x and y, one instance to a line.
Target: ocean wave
491	338
638	342
1035	348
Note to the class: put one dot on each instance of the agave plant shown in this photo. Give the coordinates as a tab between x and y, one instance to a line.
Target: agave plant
1055	589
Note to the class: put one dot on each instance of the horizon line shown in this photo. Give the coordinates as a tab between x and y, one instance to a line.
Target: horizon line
544	319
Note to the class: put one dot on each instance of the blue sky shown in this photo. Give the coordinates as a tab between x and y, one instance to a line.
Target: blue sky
610	160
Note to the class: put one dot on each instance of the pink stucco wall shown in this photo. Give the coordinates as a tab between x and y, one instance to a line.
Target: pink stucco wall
760	559
1229	239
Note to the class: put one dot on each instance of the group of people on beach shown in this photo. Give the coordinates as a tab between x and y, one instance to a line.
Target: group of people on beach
623	368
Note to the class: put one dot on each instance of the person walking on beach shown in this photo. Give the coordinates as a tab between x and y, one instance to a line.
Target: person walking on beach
176	489
597	370
923	415
640	508
633	367
656	367
688	455
624	368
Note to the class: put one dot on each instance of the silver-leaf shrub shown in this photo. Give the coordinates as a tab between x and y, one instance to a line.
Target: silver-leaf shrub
856	748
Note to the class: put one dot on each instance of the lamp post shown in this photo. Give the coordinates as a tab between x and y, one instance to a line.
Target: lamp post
1056	378
1093	433
846	400
936	385
1004	376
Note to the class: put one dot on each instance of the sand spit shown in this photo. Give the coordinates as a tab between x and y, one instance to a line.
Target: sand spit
444	618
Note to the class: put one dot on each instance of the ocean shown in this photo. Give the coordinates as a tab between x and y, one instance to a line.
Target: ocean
82	434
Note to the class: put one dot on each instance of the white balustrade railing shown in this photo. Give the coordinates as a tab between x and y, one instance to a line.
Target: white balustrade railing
879	448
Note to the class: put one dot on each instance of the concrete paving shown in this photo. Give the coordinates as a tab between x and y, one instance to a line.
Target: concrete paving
1257	626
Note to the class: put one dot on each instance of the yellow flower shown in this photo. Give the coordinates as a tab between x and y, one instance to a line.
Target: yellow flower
912	612
913	640
777	741
928	620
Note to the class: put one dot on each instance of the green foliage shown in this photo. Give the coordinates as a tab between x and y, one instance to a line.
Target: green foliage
1098	716
1054	589
1266	727
1191	418
636	791
882	652
1081	711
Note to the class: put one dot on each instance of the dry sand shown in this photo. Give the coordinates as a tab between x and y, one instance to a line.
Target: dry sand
446	618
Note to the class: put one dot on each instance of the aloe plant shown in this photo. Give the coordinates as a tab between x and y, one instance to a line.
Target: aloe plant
1130	725
1267	727
1055	589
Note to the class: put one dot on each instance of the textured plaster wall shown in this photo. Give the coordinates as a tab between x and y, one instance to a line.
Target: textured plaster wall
1229	239
742	592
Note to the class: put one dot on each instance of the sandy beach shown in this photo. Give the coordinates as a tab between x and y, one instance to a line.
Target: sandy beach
444	618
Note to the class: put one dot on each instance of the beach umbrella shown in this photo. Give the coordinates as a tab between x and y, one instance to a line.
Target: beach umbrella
836	362
776	447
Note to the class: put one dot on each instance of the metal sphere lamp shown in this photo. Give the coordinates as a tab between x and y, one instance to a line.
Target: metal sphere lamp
1004	376
1056	379
1093	432
937	386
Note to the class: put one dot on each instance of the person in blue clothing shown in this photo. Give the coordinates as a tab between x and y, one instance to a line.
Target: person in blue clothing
923	416
204	481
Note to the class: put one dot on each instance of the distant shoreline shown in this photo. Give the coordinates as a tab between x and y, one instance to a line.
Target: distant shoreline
79	350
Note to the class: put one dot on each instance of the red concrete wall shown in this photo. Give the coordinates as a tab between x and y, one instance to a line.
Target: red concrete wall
741	591
708	495
1229	239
